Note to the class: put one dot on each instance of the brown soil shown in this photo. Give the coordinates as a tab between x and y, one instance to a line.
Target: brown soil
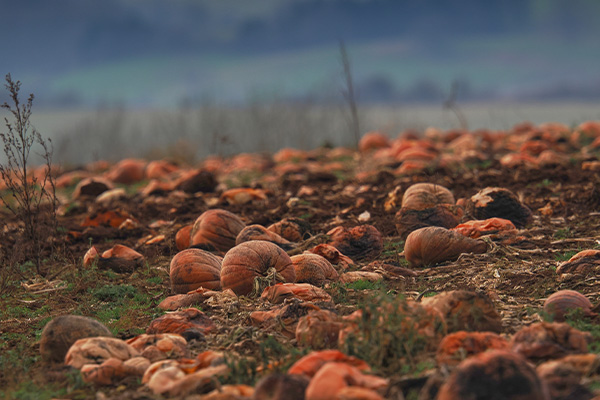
517	277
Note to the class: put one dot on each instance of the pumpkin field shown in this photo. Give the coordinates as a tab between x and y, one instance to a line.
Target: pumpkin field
434	264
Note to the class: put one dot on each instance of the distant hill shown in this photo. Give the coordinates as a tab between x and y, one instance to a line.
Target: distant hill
80	51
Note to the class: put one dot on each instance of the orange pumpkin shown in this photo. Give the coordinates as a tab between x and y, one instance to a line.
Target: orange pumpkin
249	260
334	376
495	374
61	332
292	229
561	303
304	291
408	220
95	350
466	311
462	344
584	262
545	340
190	319
359	243
259	232
160	169
499	202
318	330
477	228
196	181
434	244
127	171
183	237
216	230
333	255
281	387
426	195
91	187
194	268
372	141
242	196
313	269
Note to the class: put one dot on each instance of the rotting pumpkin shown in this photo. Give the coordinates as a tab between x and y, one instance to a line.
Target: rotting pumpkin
256	258
194	268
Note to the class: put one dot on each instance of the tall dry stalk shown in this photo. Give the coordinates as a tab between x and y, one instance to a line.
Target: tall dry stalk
28	196
348	93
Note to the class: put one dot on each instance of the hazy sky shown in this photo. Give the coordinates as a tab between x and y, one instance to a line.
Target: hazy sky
143	53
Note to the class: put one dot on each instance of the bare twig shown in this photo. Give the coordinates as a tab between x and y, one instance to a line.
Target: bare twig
29	192
450	104
348	92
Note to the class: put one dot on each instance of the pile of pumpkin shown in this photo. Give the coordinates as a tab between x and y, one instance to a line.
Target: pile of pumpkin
221	259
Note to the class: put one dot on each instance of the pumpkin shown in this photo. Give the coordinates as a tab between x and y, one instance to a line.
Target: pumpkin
433	245
231	392
259	232
355	276
408	220
190	319
160	346
194	268
216	230
127	171
304	291
111	196
357	393
373	141
94	350
584	262
423	324
462	344
359	243
333	255
183	237
563	381
491	226
426	204
112	370
292	229
466	310
241	196
335	376
421	196
105	373
119	258
310	364
249	260
499	202
195	297
92	187
313	269
318	330
62	331
159	169
196	181
545	340
281	387
283	318
495	374
563	302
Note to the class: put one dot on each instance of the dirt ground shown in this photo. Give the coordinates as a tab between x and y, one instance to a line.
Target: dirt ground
517	277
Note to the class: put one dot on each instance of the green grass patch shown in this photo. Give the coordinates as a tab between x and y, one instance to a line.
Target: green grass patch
563	233
566	255
365	285
389	335
392	248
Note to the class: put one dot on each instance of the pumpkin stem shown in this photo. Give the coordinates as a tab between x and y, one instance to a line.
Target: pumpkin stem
308	243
